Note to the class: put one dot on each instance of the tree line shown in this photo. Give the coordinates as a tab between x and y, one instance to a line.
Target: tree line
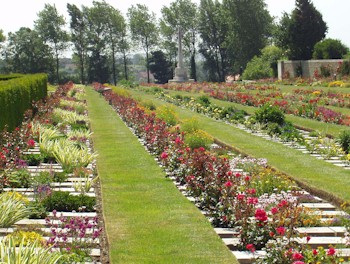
226	35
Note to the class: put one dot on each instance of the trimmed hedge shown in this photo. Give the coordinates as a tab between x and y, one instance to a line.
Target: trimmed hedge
17	95
5	77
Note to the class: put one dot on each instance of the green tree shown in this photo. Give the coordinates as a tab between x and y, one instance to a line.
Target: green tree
79	37
250	26
50	26
160	67
143	29
329	49
26	52
182	14
299	32
265	65
213	29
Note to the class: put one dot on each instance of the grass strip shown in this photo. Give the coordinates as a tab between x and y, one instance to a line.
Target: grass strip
147	219
319	176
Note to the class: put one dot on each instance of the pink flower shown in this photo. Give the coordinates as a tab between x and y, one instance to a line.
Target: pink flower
281	230
297	256
250	247
238	175
252	200
31	143
298	262
228	184
283	203
330	251
251	191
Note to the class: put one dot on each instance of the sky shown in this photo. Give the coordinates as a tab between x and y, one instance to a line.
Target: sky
18	13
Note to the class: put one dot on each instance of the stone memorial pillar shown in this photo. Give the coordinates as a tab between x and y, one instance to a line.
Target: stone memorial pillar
180	71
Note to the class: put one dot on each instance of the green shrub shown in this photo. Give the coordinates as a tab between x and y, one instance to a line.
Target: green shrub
198	138
203	100
167	114
65	202
257	68
345	68
344	140
329	49
269	114
190	125
20	179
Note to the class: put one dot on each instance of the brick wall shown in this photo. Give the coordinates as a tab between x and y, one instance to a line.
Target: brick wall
291	68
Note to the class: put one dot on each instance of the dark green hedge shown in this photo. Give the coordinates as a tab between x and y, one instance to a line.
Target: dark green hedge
17	95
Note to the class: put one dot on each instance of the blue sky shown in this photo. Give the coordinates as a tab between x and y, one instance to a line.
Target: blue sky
17	13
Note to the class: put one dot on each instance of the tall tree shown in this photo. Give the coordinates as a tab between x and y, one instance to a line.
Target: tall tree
27	53
79	36
98	40
114	28
299	32
143	29
250	25
50	26
124	47
182	14
213	29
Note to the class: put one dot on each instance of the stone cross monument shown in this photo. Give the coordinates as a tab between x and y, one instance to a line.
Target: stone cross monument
180	71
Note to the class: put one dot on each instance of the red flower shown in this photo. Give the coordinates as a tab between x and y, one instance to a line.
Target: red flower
247	178
330	251
228	184
240	196
298	262
229	173
274	210
308	239
201	149
283	203
261	215
164	155
314	252
272	234
251	191
297	256
250	247
281	230
238	175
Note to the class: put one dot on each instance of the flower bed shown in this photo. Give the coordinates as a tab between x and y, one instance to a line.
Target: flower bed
47	184
304	103
263	206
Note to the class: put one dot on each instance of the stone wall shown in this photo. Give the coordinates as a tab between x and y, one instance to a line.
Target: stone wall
290	69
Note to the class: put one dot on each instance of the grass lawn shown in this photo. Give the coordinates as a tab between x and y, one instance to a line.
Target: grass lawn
315	174
147	219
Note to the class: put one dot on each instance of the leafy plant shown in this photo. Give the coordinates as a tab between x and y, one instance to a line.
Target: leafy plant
20	178
167	114
269	114
12	209
344	140
29	253
26	238
65	202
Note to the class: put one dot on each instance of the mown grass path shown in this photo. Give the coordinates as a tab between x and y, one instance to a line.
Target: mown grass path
316	174
147	219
